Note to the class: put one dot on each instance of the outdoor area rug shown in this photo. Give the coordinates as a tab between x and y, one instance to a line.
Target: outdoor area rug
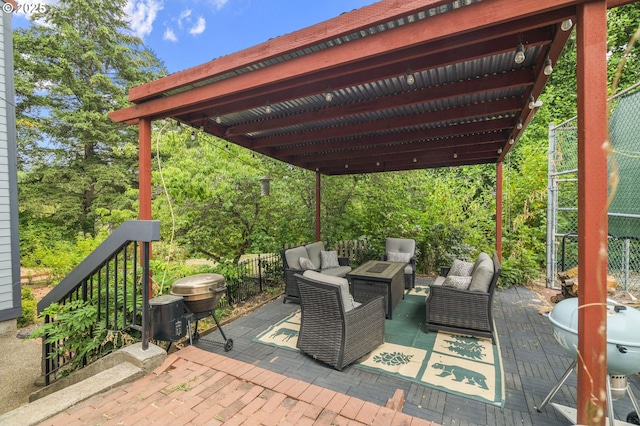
462	365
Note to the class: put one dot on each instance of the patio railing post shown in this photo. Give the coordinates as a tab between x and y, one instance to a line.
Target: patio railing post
145	295
260	273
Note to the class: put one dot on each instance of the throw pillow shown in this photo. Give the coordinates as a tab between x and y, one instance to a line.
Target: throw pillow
482	276
306	263
329	259
393	256
458	282
460	268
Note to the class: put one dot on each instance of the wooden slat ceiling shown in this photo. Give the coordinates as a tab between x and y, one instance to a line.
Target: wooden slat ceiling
468	104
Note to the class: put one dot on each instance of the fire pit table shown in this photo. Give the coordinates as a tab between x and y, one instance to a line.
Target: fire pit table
378	278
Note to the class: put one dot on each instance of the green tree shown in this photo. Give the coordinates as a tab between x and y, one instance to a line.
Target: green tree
73	65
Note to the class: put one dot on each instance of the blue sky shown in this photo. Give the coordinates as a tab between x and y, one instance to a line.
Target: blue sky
185	33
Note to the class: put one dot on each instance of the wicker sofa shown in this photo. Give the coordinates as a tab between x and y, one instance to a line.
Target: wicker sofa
333	328
314	253
452	307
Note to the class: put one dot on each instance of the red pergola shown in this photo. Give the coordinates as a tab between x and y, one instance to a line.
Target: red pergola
411	84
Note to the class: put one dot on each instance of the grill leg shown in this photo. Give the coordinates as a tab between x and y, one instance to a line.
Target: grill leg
218	325
228	343
555	389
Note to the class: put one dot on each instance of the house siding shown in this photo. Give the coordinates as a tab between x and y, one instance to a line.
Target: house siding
10	304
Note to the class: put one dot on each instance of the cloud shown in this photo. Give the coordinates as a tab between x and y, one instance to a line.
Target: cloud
183	15
142	14
218	4
198	27
169	35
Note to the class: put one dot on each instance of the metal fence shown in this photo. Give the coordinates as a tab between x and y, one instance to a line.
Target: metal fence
624	211
253	276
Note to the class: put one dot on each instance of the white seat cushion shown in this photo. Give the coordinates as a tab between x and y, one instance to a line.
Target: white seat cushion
340	271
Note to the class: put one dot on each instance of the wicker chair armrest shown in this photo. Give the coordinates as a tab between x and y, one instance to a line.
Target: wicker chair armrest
366	311
444	270
343	261
366	323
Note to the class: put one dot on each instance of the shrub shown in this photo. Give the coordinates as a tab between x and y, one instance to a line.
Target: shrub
29	303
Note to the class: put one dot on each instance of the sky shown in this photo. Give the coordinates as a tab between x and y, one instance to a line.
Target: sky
184	33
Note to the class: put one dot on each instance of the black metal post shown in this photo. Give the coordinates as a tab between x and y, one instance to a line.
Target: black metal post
145	295
260	273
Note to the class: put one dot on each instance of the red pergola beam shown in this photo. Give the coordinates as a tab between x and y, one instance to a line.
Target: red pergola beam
502	106
396	166
509	80
436	138
446	147
592	211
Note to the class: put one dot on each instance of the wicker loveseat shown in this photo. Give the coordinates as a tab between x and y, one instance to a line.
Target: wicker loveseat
453	307
313	253
333	328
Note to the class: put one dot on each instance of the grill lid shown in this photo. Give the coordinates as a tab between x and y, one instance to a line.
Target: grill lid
197	287
622	324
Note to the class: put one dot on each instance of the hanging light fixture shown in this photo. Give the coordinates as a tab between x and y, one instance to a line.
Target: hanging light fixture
455	155
193	135
512	140
328	95
265	186
548	67
519	124
566	25
415	160
218	119
267	108
410	78
520	57
533	103
499	150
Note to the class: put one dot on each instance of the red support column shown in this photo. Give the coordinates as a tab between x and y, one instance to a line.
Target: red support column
499	211
144	169
318	187
592	214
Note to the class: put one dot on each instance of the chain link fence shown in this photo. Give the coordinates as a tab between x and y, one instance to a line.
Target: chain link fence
624	211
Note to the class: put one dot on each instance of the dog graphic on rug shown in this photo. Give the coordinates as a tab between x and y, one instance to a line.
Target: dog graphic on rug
459	373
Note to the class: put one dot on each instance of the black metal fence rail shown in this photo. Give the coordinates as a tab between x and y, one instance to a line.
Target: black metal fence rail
108	293
252	276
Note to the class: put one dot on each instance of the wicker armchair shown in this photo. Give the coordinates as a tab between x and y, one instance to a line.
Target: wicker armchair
462	311
401	246
331	335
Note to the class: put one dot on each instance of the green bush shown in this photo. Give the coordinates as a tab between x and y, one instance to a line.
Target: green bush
29	303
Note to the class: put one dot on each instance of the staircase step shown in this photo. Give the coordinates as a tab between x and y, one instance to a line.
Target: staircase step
50	405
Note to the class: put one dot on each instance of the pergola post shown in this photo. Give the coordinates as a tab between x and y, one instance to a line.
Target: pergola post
318	191
592	211
144	168
499	210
